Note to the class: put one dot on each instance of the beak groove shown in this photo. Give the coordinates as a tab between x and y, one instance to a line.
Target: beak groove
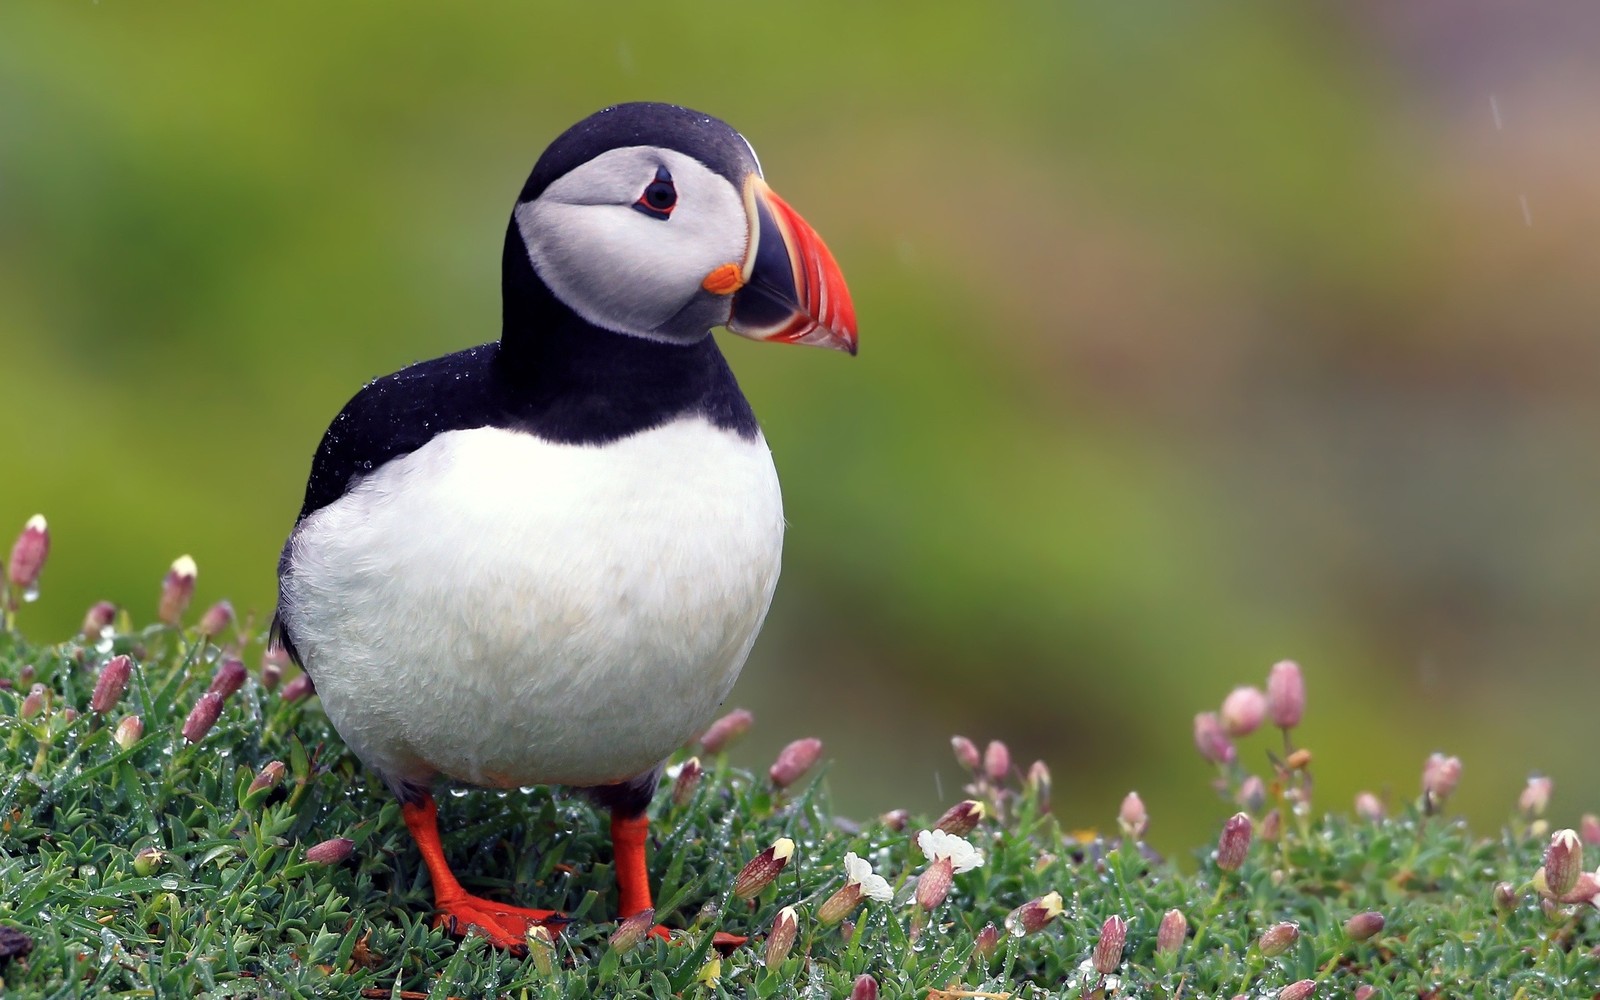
793	290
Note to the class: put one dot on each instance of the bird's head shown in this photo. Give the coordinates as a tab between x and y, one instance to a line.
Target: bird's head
653	220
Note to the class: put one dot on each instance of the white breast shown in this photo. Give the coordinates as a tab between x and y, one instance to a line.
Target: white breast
508	611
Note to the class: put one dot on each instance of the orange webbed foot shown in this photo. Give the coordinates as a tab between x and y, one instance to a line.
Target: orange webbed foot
460	913
504	925
725	943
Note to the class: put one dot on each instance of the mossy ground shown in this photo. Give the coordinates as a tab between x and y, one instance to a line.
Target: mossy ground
231	907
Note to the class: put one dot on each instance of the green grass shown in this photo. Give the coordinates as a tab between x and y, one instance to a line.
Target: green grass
230	907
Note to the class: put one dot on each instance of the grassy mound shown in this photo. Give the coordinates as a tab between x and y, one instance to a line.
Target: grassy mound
251	856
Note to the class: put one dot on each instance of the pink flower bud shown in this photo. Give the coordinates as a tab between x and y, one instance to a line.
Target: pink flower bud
110	685
961	818
1171	933
865	988
267	777
37	700
299	687
966	753
1584	890
1535	797
1563	862
215	620
1364	925
1132	818
1234	843
1369	807
686	781
726	730
1505	897
1252	794
1272	826
100	616
129	731
176	590
229	677
1039	784
29	553
1211	741
1365	991
785	926
1242	711
762	869
1589	829
933	885
1034	915
839	905
633	930
1286	694
896	819
1303	989
1440	775
988	941
1278	938
794	761
202	717
997	762
1108	950
69	715
331	852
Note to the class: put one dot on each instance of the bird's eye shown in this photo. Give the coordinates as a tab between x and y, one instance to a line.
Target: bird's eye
659	196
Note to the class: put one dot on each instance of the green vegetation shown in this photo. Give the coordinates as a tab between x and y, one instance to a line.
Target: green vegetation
151	864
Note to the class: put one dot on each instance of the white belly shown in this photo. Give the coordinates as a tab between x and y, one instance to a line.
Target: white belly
510	611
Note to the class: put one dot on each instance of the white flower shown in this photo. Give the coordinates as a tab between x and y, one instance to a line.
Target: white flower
873	886
937	844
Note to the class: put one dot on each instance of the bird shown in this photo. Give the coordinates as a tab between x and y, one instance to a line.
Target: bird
544	560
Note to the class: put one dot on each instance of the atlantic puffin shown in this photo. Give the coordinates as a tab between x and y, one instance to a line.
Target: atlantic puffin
544	560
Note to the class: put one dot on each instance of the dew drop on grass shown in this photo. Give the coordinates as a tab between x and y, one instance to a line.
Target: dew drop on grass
169	882
31	594
105	643
458	793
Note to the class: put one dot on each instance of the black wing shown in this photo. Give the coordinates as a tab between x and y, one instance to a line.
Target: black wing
390	417
397	414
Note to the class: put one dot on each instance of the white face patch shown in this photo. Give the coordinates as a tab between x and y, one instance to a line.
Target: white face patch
621	268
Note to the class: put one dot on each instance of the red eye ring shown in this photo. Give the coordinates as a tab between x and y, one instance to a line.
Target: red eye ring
660	197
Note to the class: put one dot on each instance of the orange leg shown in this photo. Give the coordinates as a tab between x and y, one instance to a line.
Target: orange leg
506	926
628	834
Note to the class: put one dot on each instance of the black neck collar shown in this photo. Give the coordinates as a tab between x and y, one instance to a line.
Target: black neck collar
602	383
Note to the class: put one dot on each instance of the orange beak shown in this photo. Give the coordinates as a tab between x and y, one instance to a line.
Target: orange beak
791	289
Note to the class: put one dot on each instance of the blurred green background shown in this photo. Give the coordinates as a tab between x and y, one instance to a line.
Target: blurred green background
1191	339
